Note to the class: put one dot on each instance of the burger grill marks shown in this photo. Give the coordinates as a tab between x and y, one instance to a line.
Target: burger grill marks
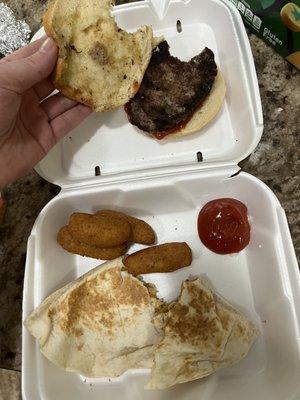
171	90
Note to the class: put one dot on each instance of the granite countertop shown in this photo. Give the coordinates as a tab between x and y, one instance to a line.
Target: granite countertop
275	161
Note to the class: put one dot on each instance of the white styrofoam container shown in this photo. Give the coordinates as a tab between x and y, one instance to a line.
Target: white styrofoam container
162	183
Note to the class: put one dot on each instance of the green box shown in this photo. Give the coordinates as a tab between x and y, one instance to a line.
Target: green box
277	22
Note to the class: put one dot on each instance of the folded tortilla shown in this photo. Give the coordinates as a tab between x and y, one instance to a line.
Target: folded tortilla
202	334
108	322
100	325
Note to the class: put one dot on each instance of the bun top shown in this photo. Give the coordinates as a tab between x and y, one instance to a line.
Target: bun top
99	64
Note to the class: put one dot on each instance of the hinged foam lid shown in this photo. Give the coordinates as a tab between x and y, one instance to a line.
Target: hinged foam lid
107	144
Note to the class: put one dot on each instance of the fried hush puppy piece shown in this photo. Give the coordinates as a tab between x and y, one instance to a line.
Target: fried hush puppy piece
67	241
163	258
101	230
141	232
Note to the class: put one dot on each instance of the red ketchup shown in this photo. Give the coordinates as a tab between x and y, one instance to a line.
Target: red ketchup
223	226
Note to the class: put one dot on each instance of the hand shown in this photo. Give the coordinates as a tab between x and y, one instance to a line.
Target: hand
30	123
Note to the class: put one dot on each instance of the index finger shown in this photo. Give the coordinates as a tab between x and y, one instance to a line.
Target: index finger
25	51
67	121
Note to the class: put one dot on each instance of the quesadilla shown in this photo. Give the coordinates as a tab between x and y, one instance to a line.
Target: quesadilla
202	334
100	325
108	322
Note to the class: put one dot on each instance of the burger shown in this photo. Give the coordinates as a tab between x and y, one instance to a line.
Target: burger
105	67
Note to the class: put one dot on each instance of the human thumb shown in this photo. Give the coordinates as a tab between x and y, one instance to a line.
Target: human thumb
20	75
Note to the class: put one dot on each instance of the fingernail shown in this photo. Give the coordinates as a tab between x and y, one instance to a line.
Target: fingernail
48	45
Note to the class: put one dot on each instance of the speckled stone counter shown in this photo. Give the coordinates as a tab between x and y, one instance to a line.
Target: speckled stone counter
275	161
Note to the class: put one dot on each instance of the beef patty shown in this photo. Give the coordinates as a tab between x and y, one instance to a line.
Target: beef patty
171	90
